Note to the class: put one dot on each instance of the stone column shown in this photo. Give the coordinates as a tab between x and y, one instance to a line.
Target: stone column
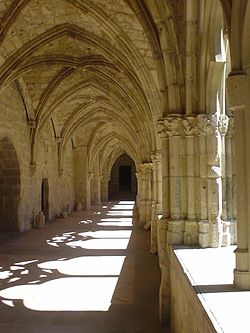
144	177
88	199
95	184
204	230
157	198
173	125
223	127
238	87
191	223
170	224
230	180
214	183
164	293
81	177
104	188
98	190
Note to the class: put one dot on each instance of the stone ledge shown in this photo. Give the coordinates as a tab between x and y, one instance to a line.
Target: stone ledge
202	288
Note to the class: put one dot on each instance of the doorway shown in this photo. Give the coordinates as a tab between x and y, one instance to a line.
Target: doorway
45	198
123	182
125	177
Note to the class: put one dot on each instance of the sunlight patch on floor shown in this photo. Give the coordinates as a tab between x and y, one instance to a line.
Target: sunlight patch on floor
100	244
85	283
92	265
107	234
120	213
65	294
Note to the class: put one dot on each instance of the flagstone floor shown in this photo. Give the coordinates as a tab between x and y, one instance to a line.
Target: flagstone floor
90	272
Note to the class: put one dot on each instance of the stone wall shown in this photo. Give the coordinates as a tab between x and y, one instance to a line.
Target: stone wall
15	127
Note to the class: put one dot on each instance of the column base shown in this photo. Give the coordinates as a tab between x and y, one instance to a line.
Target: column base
242	260
175	232
191	232
242	279
214	234
204	234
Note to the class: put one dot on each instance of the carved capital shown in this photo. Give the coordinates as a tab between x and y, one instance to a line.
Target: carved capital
202	124
190	126
223	123
145	168
156	156
169	126
161	129
207	124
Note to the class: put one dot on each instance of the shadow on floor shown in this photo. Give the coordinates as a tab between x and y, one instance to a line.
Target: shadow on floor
91	272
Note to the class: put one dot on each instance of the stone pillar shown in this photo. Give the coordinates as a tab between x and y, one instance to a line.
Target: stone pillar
81	177
213	231
98	190
104	188
230	180
204	230
238	87
223	122
95	184
144	177
164	292
171	226
157	198
88	198
173	125
214	182
191	223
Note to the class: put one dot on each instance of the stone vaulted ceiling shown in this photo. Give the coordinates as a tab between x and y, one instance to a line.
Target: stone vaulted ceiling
88	68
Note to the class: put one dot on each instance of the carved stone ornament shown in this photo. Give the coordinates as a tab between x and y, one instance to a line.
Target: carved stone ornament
223	124
173	127
190	126
161	131
169	126
202	124
146	168
207	125
156	156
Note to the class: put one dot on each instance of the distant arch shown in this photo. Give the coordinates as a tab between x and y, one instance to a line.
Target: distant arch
123	182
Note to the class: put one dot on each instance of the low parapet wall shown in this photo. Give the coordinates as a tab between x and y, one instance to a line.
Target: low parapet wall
189	312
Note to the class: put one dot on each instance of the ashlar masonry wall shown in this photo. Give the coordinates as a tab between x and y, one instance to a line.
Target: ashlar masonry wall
14	125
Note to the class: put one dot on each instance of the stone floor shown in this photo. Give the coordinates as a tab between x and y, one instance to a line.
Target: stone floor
91	272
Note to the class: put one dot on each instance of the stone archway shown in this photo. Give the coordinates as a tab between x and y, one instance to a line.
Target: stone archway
45	198
123	182
9	186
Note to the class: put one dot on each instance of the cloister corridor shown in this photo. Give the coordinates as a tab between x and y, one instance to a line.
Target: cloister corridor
90	272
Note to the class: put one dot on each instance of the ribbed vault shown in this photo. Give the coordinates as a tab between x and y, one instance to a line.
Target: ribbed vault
93	71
